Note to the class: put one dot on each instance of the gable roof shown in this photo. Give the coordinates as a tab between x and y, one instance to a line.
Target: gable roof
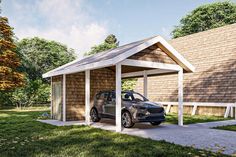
114	56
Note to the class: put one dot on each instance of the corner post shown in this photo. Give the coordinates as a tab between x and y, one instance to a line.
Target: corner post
145	82
235	111
87	97
64	98
118	98
180	97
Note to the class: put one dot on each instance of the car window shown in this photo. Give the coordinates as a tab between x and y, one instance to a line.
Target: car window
102	96
138	97
130	96
112	96
126	96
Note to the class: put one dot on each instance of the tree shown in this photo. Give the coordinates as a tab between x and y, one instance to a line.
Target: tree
40	56
206	17
10	75
109	43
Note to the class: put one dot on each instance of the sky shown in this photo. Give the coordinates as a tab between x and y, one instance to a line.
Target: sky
81	24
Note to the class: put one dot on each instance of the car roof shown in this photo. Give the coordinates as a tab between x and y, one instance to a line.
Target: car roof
128	91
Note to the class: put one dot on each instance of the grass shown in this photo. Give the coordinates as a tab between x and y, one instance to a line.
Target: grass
189	119
22	135
227	127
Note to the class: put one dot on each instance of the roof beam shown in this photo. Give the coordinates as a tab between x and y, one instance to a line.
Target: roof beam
149	64
149	72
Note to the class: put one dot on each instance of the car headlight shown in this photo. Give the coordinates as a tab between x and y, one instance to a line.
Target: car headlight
147	113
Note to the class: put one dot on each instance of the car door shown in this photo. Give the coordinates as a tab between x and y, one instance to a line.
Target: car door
110	105
101	100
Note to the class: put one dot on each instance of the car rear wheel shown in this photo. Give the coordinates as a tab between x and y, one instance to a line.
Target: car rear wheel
126	119
155	123
94	115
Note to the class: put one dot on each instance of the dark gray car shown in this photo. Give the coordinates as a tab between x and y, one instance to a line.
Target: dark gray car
135	108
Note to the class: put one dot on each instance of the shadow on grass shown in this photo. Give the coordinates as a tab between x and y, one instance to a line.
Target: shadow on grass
21	135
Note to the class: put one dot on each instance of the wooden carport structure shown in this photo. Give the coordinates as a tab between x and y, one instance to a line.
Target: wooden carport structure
151	56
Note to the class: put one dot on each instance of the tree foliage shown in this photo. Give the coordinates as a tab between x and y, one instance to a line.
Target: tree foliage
35	92
40	56
206	17
128	84
109	43
10	75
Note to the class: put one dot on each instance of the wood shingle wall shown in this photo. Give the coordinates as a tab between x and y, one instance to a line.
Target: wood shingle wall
153	54
213	53
101	79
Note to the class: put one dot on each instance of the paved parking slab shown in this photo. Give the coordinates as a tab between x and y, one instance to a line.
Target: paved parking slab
196	135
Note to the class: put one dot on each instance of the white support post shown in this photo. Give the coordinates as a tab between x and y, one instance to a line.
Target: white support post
194	109
235	111
231	111
87	97
168	108
118	98
145	82
227	112
180	97
64	98
51	99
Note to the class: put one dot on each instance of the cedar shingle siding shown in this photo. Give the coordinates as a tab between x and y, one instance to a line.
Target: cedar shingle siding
153	54
101	79
213	53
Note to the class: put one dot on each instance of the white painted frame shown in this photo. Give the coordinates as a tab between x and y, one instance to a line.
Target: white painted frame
149	64
168	108
87	97
180	97
235	111
145	83
149	72
194	109
105	63
118	98
228	106
64	98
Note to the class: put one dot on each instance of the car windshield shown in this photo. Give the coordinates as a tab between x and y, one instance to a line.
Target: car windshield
132	96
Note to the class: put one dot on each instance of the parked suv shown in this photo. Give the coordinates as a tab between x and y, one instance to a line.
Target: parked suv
135	108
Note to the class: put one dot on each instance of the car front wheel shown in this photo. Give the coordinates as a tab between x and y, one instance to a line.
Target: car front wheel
126	119
94	115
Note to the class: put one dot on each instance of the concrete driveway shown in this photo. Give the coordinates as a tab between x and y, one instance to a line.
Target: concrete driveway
198	135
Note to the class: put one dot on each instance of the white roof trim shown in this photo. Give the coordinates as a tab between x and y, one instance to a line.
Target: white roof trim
96	65
149	64
105	63
177	56
149	72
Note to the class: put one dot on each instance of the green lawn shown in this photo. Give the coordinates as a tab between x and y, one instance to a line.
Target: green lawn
228	127
189	119
21	135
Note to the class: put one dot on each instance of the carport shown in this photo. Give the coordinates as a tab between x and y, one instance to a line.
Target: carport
148	57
